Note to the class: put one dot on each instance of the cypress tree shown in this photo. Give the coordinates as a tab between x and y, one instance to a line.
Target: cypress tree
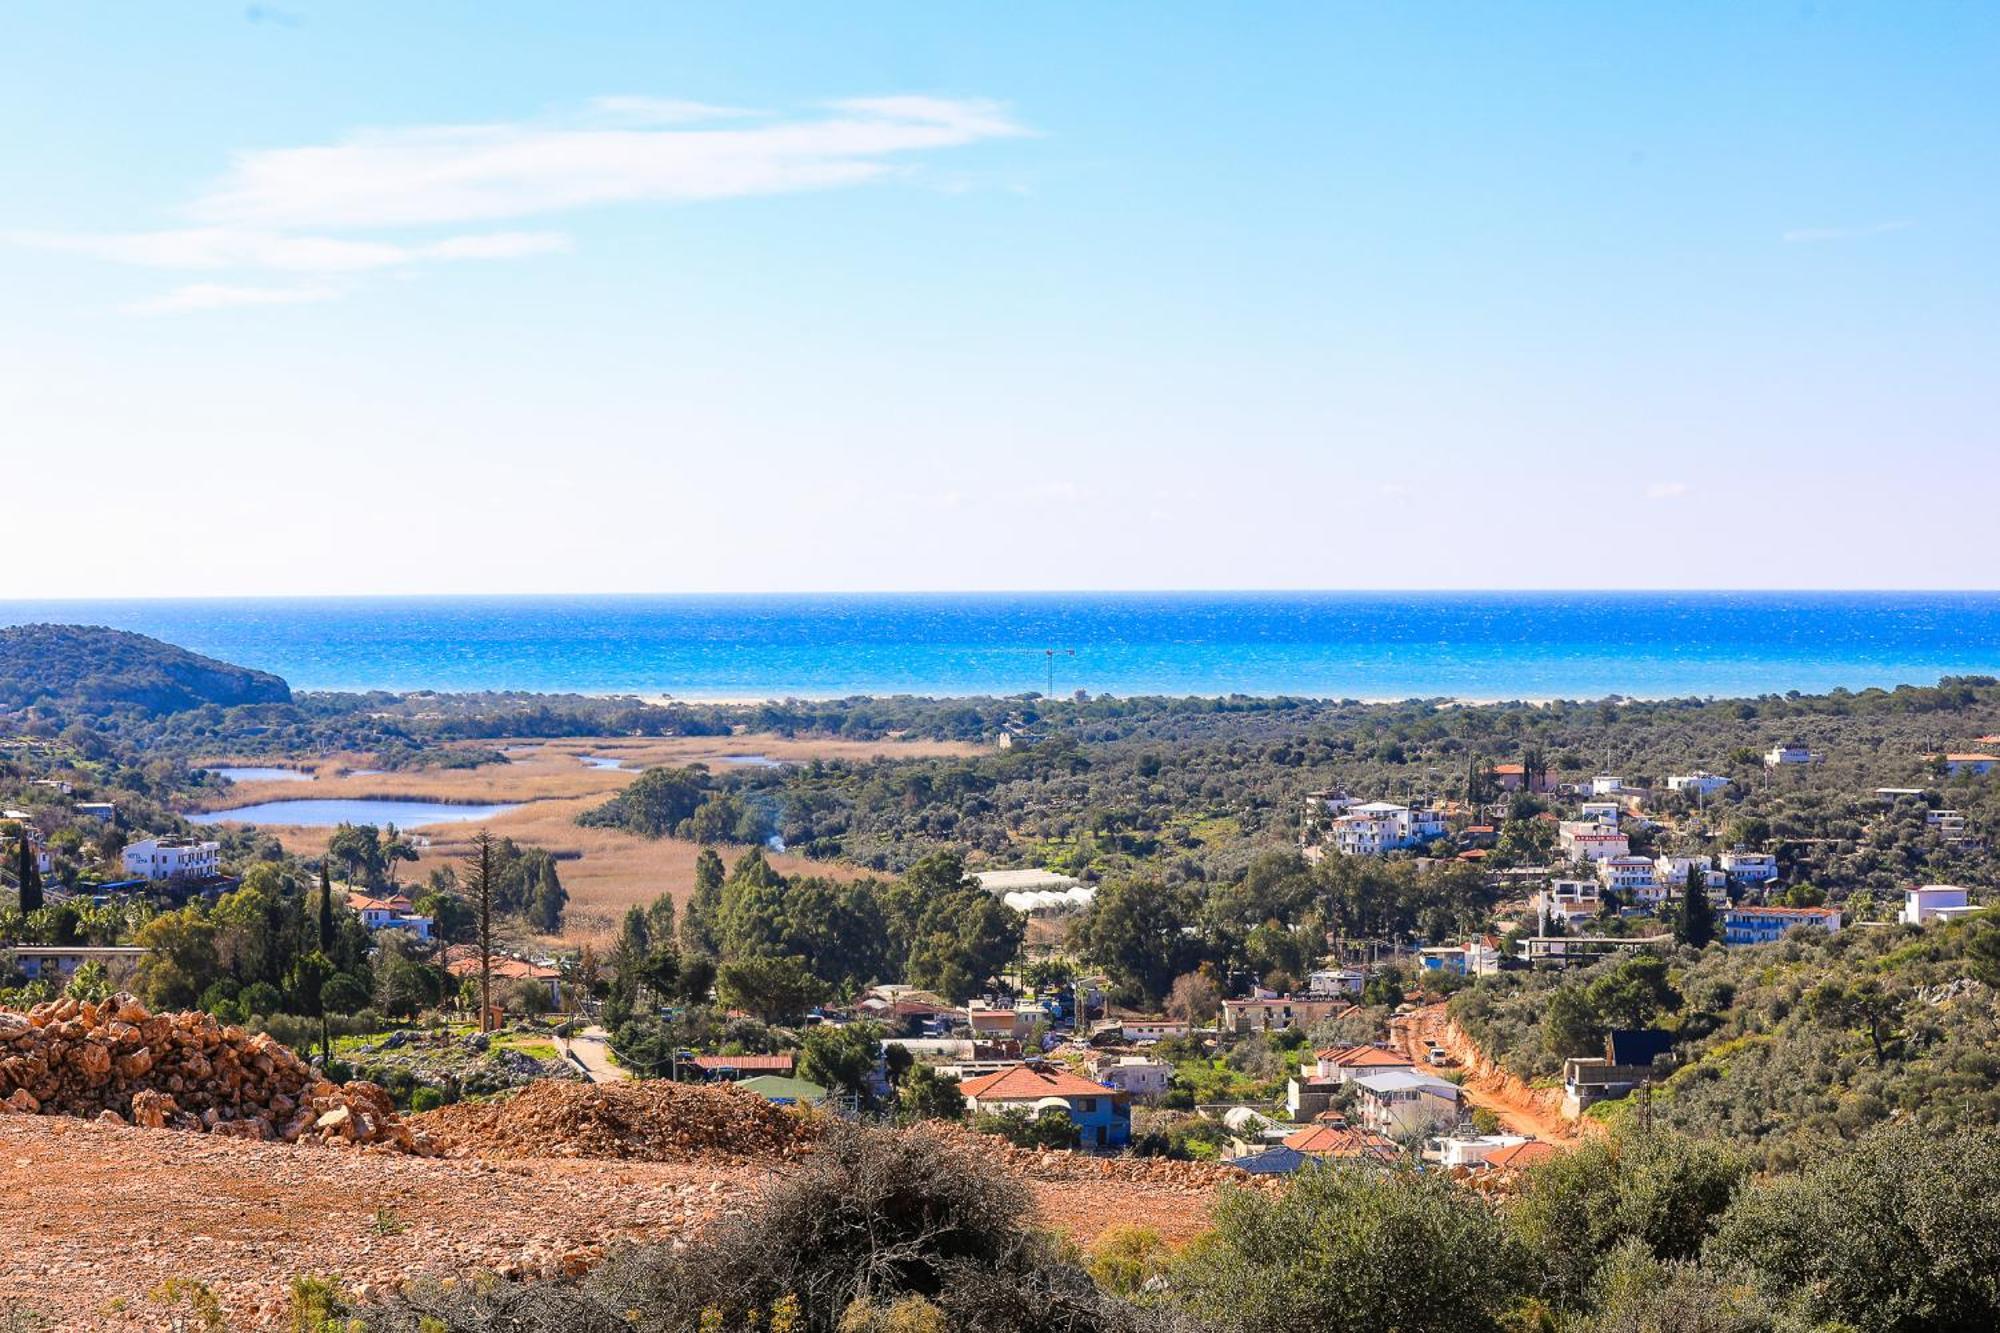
30	878
325	908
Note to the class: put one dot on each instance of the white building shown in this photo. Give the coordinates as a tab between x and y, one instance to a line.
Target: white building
1935	902
1672	872
1587	840
172	858
1633	878
1779	756
1748	867
1335	981
1405	1102
1697	783
392	913
1137	1075
1382	826
1761	925
1606	784
1607	813
1568	900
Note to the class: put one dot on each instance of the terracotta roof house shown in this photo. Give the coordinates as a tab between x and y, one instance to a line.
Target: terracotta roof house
1520	1155
1102	1115
1339	1143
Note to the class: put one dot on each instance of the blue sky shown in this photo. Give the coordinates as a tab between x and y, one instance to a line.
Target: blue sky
376	298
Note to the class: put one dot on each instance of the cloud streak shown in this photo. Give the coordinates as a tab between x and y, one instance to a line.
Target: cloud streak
350	206
219	296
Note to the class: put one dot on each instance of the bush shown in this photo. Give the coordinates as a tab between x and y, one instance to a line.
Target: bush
1350	1250
425	1099
876	1230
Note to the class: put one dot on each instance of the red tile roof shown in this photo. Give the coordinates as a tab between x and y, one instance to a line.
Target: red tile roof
1027	1083
1363	1057
504	968
1520	1155
1337	1141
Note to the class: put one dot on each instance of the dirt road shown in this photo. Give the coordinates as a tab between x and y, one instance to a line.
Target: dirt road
1517	1108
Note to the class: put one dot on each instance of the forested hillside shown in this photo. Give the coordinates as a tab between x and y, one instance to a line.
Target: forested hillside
81	671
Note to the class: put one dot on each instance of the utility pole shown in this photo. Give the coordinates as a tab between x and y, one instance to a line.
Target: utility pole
1050	653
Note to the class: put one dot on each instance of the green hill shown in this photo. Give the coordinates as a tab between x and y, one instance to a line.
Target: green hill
86	669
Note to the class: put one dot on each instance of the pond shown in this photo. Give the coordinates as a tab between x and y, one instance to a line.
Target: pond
601	761
237	773
327	813
754	760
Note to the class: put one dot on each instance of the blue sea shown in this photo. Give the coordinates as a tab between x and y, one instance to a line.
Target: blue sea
1336	644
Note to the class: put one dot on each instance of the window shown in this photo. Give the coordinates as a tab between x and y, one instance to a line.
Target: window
1089	1105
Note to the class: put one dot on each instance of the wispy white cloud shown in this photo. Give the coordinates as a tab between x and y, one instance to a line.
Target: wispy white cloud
454	174
218	296
1668	490
1816	235
349	206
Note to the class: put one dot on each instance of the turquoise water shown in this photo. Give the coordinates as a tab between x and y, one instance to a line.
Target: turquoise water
327	813
1360	645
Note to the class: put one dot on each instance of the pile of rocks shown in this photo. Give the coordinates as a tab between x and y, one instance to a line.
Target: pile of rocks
1058	1166
115	1061
642	1121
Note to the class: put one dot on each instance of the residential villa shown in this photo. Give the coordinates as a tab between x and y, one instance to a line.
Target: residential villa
1321	1077
463	961
1761	925
1978	764
1568	900
1338	1143
1783	756
1142	1078
1278	1013
1698	783
395	912
1607	813
1403	1101
1631	1057
1326	982
1747	867
1634	879
1377	827
1934	902
1606	784
172	858
1102	1115
1672	873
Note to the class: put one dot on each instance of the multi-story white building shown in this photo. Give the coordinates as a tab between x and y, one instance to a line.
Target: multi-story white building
1672	872
1778	756
1633	878
1587	840
1948	822
1607	813
1761	925
172	858
1382	826
1568	900
1697	783
1748	867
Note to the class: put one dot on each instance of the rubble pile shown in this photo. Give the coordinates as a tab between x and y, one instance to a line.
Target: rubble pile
1057	1166
113	1060
643	1121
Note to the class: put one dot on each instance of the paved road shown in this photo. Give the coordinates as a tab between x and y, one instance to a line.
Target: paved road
592	1049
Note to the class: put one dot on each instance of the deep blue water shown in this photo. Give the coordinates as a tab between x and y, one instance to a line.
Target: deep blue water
327	813
1361	645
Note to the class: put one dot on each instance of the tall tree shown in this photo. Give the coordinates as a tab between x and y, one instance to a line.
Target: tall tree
30	876
326	905
479	887
1697	920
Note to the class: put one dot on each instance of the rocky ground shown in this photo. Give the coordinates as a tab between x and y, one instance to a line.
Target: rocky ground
95	1216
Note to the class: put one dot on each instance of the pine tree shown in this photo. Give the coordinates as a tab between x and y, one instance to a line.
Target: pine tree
479	886
30	878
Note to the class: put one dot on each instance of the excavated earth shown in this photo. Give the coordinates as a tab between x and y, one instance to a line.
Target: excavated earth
95	1216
